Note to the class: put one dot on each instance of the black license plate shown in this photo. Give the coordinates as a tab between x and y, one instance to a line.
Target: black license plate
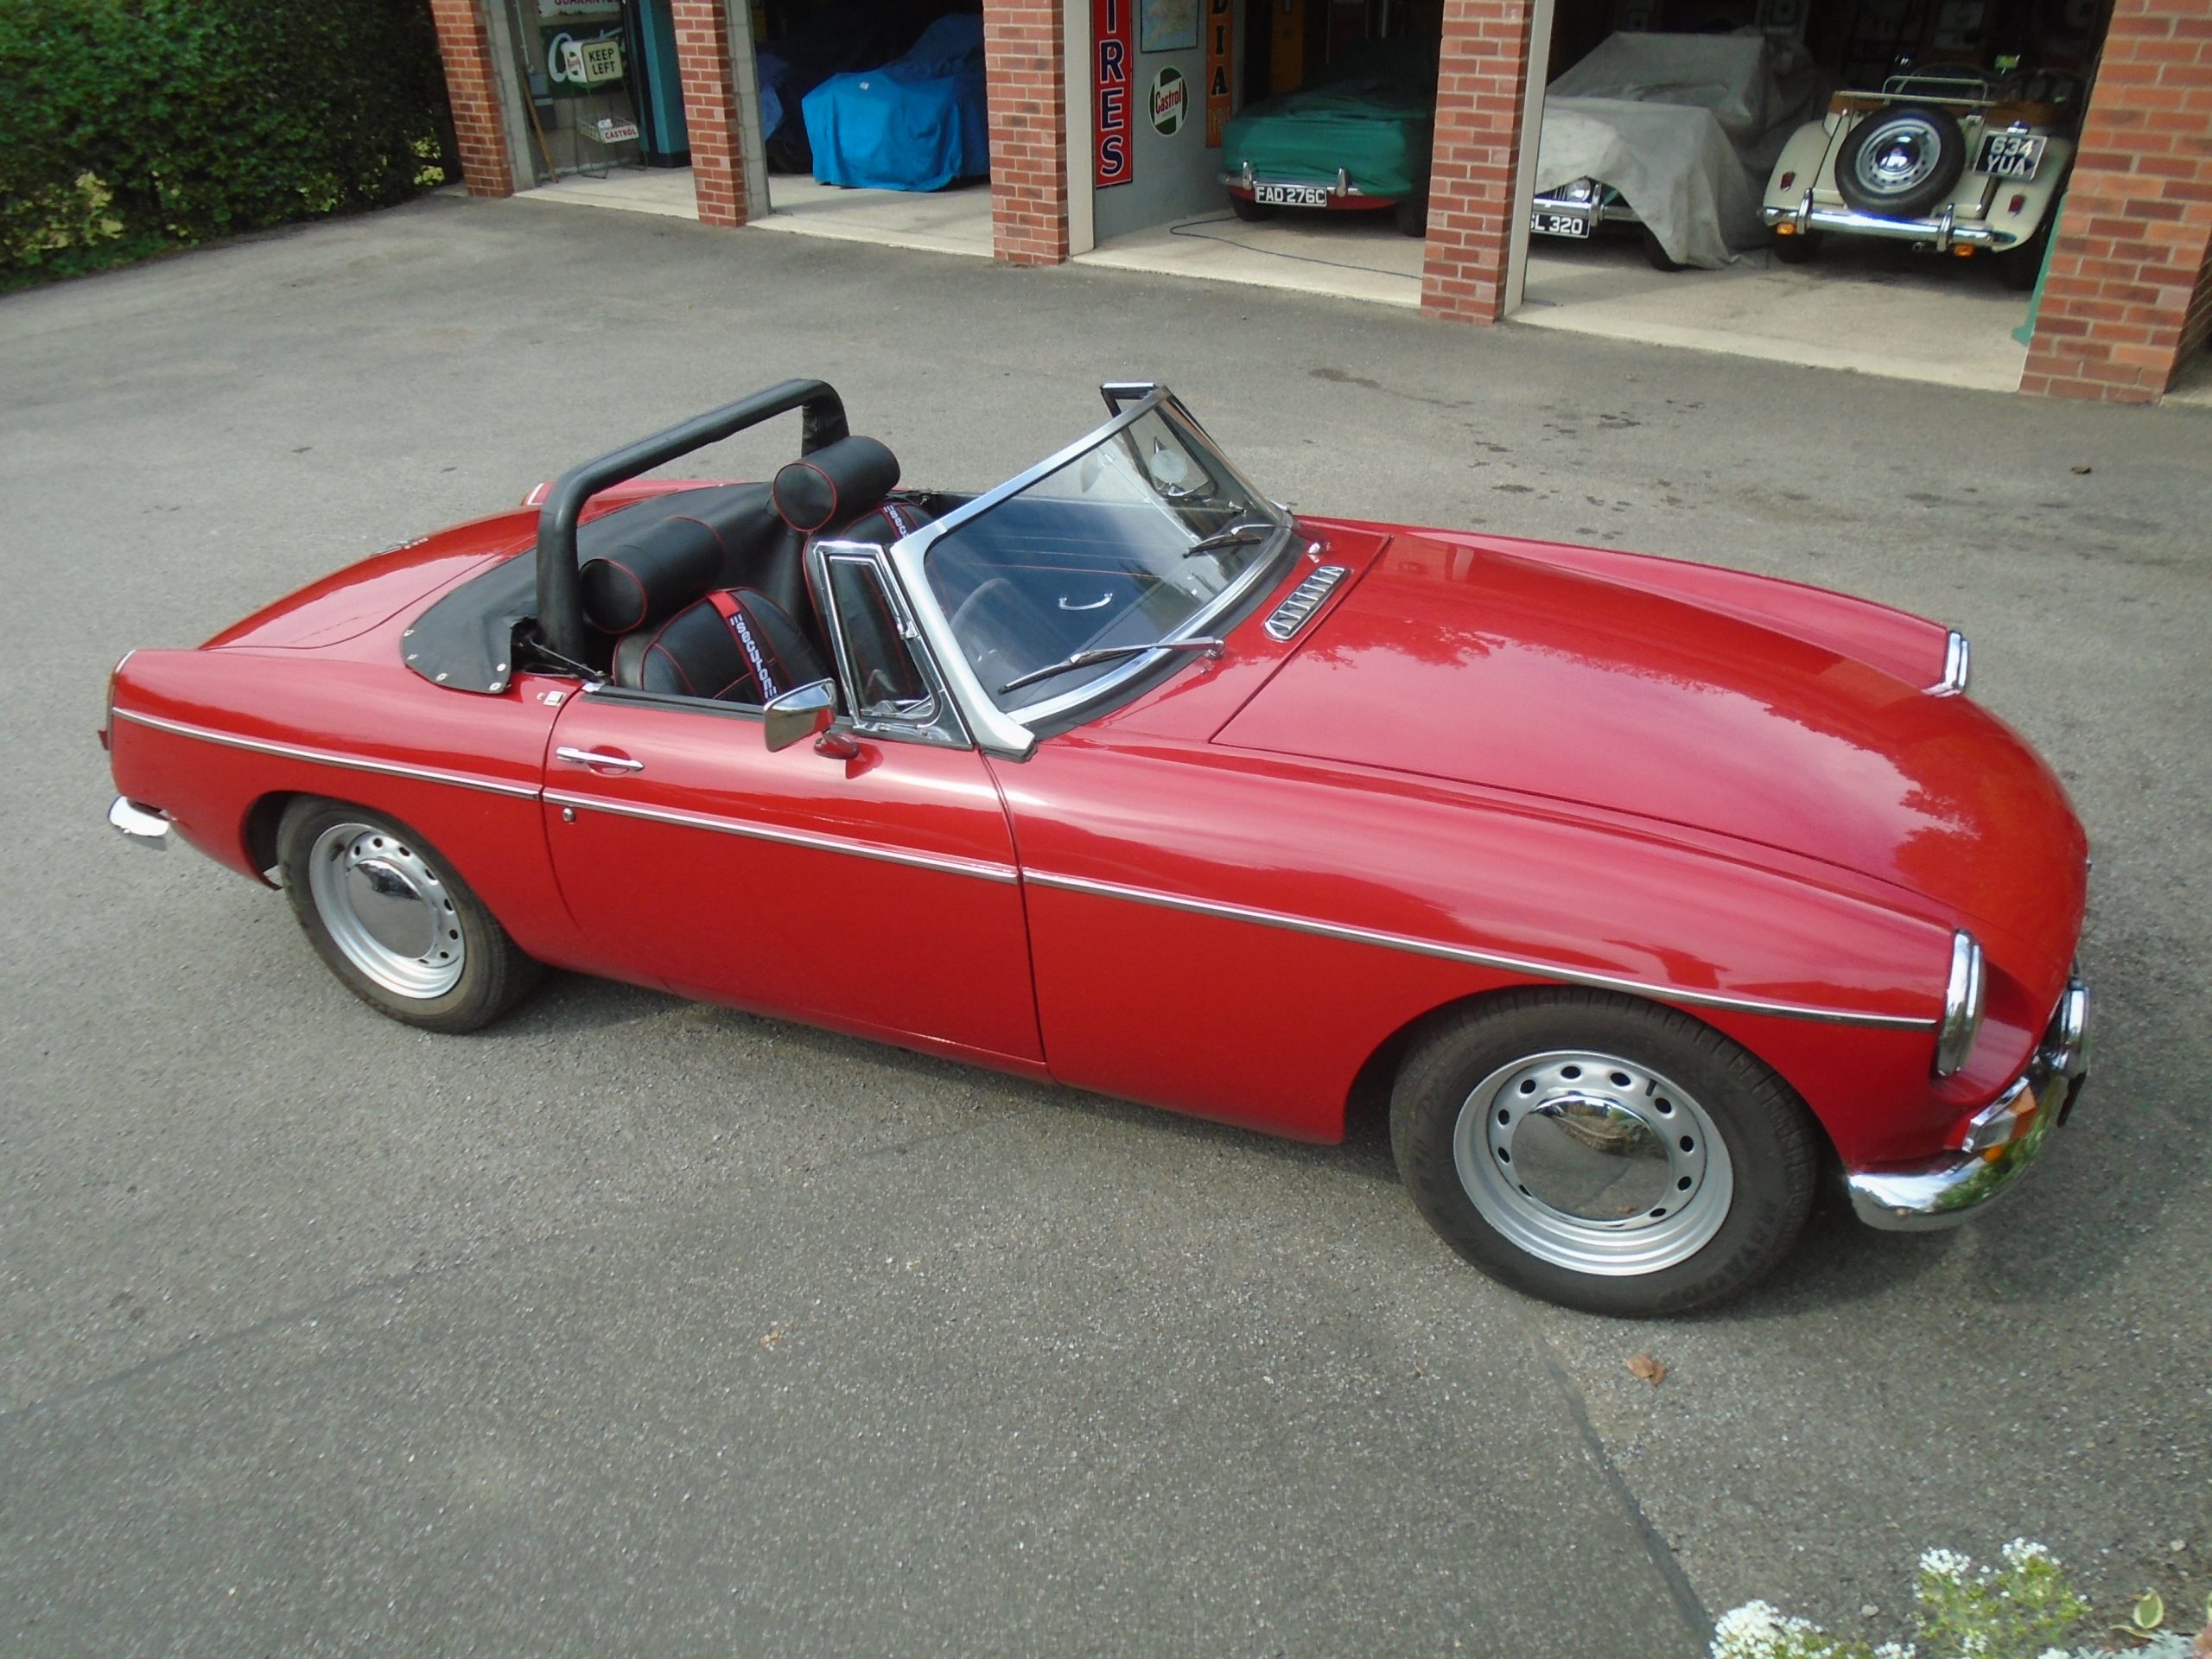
1292	196
2010	154
1546	221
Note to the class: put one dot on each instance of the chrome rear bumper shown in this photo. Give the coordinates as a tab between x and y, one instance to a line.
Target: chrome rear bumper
1946	1191
1943	233
139	825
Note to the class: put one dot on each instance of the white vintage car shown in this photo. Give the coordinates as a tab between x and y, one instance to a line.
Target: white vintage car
1961	161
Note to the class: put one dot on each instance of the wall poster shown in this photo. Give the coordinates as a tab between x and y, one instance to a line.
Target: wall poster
1219	16
1168	25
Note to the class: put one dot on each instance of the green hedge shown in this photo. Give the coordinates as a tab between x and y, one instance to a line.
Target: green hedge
140	124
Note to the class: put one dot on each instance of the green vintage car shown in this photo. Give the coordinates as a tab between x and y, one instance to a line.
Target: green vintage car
1356	135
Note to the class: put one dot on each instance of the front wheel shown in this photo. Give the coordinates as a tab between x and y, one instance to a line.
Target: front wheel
394	921
1602	1153
1655	252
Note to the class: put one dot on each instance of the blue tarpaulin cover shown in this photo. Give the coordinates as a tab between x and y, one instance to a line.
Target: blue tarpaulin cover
917	123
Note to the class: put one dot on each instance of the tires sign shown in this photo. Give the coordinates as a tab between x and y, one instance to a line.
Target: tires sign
1110	39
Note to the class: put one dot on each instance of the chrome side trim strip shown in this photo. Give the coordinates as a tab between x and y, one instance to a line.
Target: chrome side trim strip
1480	958
981	869
331	758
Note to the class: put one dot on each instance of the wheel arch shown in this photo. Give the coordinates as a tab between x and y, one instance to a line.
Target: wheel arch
257	832
1368	1096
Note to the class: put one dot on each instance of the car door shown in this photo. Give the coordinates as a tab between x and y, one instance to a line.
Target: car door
874	892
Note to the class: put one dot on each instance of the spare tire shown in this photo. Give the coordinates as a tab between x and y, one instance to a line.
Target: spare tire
1900	161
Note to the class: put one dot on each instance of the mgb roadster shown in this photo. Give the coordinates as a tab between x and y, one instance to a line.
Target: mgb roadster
1656	895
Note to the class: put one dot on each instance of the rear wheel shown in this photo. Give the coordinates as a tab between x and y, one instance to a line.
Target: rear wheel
394	922
1602	1153
1799	250
2018	267
1250	210
1412	215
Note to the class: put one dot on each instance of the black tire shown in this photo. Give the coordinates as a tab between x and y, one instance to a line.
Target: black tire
2018	267
1901	162
468	972
1739	1216
1799	250
1655	252
1412	215
1250	210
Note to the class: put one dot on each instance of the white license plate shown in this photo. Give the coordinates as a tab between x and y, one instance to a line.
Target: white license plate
2010	155
1292	196
1550	224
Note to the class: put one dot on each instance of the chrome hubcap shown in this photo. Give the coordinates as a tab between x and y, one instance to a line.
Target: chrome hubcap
387	910
1897	158
1594	1163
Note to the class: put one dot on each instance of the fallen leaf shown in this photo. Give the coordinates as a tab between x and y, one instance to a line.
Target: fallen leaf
2150	1612
1651	1370
2081	470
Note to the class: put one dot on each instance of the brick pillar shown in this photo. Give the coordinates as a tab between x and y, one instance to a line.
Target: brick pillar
473	89
1025	69
2129	295
1477	158
702	63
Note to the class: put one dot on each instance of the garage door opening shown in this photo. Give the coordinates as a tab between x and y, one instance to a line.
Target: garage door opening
1866	184
874	124
1279	142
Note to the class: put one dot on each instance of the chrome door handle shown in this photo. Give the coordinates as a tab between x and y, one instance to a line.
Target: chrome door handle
1099	603
601	759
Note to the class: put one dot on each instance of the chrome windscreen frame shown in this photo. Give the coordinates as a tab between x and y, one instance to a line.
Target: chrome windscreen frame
993	728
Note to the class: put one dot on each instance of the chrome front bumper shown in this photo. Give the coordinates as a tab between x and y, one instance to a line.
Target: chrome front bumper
139	825
1599	208
1946	1191
1340	189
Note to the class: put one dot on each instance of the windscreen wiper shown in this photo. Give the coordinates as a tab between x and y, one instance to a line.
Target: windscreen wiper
1235	536
1211	647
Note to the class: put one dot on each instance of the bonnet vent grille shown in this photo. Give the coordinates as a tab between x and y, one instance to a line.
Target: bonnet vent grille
1303	600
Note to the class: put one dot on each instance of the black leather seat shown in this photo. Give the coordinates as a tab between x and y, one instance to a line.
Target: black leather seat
735	646
691	625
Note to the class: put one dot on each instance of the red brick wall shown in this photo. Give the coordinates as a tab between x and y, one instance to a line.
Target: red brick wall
471	85
1477	158
1025	67
710	109
2126	297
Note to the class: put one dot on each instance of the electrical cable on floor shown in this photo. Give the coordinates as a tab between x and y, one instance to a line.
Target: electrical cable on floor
1183	229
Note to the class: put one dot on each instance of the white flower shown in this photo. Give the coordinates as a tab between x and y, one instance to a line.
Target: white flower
1946	1564
1753	1630
1906	1650
2021	1551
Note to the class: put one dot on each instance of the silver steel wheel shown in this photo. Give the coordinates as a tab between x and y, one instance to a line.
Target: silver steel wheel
1899	155
1592	1163
387	910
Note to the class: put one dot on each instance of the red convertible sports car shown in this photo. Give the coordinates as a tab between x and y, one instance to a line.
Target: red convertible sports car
1658	893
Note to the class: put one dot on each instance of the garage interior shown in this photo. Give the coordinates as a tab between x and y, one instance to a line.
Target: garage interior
1863	303
793	50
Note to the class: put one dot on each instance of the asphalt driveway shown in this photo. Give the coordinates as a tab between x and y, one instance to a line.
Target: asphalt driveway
632	1325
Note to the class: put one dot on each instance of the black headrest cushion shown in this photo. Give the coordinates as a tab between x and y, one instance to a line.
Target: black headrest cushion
650	575
838	481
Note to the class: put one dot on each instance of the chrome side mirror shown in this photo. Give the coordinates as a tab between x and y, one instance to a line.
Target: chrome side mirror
808	712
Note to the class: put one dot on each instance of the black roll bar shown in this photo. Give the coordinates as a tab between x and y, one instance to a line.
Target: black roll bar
560	602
